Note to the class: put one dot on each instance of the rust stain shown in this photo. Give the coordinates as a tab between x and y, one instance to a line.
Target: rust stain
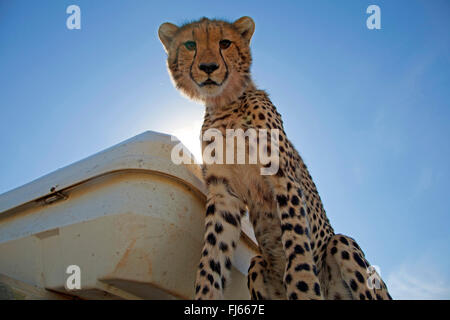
124	259
148	260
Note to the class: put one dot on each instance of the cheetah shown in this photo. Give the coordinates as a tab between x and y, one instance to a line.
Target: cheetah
300	256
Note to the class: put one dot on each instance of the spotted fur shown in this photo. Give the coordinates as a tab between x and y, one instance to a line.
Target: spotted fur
300	255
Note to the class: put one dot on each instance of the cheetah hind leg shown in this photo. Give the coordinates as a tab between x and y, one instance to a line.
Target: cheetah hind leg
346	273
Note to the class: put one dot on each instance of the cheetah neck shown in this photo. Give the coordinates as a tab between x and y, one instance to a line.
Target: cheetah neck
220	104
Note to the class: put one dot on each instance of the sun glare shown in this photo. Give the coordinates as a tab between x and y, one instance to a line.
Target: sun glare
189	135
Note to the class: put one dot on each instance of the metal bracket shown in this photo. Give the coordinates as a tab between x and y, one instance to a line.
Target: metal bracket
57	196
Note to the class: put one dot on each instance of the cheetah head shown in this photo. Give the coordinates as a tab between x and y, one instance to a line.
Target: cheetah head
209	60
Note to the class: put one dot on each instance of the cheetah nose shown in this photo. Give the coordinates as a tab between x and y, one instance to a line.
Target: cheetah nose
208	67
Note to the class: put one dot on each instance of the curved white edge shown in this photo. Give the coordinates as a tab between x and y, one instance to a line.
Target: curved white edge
147	151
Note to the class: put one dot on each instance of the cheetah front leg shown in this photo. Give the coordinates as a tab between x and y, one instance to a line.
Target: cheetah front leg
222	232
257	279
300	276
266	271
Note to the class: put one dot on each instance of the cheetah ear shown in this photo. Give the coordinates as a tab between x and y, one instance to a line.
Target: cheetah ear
166	33
246	27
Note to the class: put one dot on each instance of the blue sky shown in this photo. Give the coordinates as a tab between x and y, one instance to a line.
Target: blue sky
368	110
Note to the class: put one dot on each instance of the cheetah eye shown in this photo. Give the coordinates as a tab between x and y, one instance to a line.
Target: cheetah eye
190	45
224	43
